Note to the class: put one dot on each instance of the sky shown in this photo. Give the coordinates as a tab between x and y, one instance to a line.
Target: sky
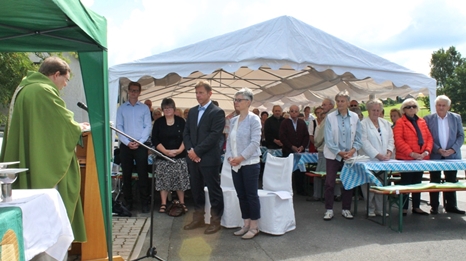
406	32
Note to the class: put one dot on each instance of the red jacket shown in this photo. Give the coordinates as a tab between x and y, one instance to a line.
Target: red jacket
406	138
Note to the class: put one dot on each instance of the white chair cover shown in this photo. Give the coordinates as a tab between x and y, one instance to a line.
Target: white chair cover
277	211
232	213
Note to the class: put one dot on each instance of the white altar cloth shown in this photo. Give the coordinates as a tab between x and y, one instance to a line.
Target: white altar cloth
46	227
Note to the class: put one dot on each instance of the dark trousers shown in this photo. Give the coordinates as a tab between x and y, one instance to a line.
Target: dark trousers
333	166
450	197
408	178
299	179
128	157
245	181
206	176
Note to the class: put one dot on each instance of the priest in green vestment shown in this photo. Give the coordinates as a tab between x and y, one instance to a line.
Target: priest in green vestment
42	134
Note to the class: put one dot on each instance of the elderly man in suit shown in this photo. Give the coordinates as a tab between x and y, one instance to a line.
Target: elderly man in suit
295	138
293	133
202	132
447	131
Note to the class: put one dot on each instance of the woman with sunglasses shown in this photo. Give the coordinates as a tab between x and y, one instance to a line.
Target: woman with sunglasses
413	141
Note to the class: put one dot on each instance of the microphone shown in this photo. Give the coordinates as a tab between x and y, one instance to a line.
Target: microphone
82	106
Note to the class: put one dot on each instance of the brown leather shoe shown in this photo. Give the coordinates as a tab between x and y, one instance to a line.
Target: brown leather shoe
212	228
194	224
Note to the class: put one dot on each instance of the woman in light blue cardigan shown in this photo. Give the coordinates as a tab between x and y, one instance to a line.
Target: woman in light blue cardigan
243	154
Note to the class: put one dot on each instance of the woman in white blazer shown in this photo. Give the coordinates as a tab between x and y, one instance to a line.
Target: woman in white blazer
378	144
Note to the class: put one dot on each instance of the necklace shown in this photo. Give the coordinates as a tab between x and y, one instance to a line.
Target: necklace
170	122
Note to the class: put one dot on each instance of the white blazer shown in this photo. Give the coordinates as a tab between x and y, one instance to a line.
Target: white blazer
372	142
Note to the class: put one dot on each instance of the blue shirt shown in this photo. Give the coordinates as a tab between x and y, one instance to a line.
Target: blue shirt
344	135
202	110
134	121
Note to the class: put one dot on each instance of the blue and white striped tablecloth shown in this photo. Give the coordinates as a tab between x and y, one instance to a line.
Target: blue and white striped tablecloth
276	153
353	175
300	160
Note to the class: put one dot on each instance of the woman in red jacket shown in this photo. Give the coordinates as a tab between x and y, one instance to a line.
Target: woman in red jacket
413	141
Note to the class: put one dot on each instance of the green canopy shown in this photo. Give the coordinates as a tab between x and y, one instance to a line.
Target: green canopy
66	25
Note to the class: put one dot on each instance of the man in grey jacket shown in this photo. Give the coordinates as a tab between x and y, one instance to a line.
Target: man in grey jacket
447	131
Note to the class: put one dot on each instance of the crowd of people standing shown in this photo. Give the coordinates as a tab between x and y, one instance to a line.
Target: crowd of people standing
195	138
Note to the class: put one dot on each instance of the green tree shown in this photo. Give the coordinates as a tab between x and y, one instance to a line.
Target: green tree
14	67
455	89
444	67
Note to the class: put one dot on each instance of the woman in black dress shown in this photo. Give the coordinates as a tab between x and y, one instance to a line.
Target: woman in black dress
167	138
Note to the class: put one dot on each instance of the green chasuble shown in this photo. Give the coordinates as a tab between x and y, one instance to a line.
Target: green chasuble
42	135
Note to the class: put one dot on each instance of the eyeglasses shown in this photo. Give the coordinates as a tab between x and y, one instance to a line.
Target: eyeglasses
411	107
240	100
354	105
64	76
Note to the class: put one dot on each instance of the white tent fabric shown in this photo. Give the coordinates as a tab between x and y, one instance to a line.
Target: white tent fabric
283	61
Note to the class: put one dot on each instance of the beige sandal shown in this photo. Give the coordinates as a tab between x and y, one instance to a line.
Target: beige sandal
251	233
241	232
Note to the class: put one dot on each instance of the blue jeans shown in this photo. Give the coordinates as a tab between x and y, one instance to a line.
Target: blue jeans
246	184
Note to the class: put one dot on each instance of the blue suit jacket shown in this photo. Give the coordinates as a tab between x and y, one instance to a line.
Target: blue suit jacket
204	138
455	137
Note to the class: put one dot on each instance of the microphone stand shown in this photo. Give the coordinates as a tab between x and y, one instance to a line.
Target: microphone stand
152	251
142	144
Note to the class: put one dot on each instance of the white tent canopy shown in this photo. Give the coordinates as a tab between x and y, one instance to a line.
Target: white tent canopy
283	61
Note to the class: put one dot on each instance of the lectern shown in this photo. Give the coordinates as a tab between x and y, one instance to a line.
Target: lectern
96	246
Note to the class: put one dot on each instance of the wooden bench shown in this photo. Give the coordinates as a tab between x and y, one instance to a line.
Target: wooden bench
394	197
322	175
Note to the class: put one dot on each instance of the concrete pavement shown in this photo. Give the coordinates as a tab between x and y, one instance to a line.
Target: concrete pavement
424	238
434	237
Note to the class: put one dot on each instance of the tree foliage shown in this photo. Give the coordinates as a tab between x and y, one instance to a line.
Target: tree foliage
449	69
13	67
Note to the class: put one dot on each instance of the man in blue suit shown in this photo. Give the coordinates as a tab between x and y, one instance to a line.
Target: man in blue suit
447	130
203	130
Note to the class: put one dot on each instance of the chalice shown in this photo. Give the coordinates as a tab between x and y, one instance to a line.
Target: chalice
7	177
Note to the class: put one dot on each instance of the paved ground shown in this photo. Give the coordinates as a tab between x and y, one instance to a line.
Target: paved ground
424	238
434	237
129	234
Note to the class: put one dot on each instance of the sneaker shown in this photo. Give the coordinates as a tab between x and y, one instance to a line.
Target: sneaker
347	214
371	214
328	214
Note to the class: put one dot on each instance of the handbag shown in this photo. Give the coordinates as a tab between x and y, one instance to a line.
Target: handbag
175	209
119	210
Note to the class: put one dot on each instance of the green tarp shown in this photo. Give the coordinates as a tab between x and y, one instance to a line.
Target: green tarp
66	25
